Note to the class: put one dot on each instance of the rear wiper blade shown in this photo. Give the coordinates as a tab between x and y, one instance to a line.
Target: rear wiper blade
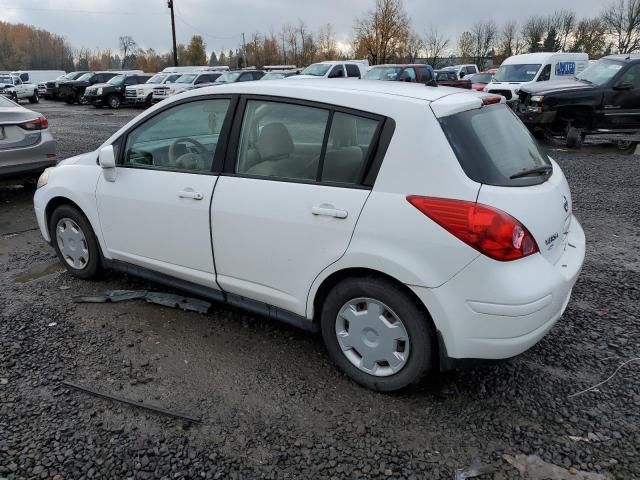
532	171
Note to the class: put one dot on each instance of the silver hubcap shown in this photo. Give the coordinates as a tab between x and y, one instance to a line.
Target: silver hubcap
72	243
372	337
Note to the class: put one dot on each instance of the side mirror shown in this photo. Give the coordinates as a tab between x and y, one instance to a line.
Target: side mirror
623	86
107	160
462	74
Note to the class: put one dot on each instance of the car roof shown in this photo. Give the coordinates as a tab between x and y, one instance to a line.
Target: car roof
322	89
623	57
400	65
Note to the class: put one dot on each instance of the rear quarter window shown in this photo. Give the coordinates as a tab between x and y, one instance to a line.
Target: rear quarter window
492	145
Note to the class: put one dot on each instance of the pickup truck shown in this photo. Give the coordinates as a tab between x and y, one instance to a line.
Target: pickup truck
14	88
449	78
142	94
603	99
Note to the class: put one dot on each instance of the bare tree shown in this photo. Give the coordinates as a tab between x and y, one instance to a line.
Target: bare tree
484	36
621	20
465	46
566	27
413	46
327	45
590	37
509	41
435	45
533	31
127	45
382	31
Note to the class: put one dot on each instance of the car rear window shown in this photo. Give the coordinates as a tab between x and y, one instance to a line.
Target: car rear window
492	145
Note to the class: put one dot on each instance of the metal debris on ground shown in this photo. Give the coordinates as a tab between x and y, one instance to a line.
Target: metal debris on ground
476	470
532	467
595	387
151	408
159	298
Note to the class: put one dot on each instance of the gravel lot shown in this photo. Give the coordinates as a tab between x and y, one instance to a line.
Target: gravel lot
271	404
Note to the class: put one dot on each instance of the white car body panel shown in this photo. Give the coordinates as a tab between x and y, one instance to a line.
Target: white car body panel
260	239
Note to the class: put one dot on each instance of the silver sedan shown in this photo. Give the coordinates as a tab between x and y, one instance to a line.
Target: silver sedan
26	144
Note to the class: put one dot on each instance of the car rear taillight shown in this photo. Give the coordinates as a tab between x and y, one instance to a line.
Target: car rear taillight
39	123
492	232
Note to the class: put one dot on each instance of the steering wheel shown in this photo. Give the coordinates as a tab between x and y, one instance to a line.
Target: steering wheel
190	158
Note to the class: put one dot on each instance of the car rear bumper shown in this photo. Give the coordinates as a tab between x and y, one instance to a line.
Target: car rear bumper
496	310
29	160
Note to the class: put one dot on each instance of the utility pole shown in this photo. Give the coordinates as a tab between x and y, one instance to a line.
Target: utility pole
244	53
173	30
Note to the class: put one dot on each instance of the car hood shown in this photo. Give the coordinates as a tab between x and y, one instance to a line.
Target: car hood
553	86
4	85
102	85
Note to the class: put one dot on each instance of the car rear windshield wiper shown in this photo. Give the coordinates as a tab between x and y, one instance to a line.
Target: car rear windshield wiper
533	171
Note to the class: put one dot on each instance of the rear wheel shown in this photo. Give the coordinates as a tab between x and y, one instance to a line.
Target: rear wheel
113	101
377	334
70	99
74	242
35	98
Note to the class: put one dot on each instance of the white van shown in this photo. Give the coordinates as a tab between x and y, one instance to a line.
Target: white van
37	76
528	68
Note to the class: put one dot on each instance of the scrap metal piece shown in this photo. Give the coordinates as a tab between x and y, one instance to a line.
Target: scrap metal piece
151	408
113	296
177	301
160	298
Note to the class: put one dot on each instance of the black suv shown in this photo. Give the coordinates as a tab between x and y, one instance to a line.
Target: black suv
604	99
72	91
112	93
53	86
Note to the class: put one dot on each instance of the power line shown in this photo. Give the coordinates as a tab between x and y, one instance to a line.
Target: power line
71	10
197	30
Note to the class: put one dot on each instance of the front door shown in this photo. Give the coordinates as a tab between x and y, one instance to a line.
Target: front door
156	212
287	206
621	106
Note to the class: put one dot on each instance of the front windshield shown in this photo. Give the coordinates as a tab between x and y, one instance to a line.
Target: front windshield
6	80
481	78
600	72
517	73
156	79
317	69
272	76
382	73
86	76
172	78
74	75
117	80
186	78
228	77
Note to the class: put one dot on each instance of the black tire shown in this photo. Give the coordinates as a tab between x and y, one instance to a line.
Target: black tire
113	100
93	268
69	99
626	146
575	137
35	98
422	353
148	102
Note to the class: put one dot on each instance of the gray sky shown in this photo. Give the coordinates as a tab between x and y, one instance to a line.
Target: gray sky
99	23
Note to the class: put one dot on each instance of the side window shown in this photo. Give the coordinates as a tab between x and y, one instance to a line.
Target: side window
632	76
184	137
24	77
353	70
350	140
337	72
411	73
245	77
98	79
131	81
545	74
201	79
257	75
281	140
18	81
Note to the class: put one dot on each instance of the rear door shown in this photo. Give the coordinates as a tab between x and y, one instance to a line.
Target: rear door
622	100
292	191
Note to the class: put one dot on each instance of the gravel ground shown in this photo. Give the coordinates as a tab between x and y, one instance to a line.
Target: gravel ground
271	404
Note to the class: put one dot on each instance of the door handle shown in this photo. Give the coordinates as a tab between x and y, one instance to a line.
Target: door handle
329	211
188	193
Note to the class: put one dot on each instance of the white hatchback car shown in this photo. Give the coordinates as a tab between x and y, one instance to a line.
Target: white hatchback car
418	228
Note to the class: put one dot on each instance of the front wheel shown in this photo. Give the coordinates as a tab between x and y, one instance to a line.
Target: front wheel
377	334
575	137
75	243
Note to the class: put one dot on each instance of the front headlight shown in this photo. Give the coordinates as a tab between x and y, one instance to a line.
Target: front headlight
99	91
537	98
44	178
